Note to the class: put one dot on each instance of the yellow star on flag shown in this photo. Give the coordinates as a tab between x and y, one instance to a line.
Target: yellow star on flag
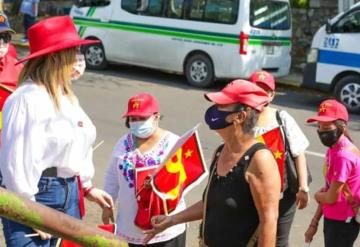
278	154
188	153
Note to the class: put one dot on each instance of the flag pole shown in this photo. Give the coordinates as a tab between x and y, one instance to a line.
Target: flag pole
38	216
9	89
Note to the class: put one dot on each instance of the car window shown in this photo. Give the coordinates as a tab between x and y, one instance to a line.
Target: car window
348	24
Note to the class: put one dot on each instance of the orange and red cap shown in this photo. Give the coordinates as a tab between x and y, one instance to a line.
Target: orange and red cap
330	110
142	105
264	78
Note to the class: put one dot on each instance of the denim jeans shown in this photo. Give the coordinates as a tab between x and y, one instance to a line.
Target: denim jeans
57	193
28	22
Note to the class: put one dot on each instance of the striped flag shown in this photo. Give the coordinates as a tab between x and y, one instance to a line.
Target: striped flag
182	171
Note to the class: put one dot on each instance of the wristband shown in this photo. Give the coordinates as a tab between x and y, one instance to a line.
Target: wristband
304	189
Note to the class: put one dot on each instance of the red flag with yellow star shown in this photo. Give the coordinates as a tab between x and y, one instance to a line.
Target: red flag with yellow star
182	172
273	139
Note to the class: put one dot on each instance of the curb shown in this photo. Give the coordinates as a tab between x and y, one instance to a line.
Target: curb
292	80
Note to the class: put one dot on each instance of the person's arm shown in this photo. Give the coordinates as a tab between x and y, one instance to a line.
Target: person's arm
298	144
21	165
112	187
313	226
35	8
331	195
341	167
264	179
302	196
162	222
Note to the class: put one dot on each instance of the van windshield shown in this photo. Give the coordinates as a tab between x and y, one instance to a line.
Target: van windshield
274	15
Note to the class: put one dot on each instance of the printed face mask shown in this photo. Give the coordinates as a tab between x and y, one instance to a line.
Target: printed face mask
4	47
79	67
143	129
330	137
216	119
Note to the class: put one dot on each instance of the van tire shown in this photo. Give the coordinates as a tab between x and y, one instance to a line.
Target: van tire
199	71
95	56
347	91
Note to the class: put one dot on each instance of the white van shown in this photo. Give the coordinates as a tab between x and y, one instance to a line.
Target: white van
333	63
204	40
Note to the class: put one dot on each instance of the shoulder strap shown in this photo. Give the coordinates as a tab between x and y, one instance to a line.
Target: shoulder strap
212	171
282	128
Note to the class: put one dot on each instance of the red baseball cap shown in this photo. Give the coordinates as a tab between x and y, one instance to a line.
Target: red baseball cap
240	91
142	105
264	78
330	110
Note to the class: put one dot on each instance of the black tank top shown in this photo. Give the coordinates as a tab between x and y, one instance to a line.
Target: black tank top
231	216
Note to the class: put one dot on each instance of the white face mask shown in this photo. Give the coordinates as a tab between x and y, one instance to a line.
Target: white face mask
143	129
4	47
79	67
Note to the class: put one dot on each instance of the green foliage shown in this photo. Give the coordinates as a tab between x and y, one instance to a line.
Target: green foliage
300	3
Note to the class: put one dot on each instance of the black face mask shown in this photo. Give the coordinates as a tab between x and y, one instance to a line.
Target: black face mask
330	137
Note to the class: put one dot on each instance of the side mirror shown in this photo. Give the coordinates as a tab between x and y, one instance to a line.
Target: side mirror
328	27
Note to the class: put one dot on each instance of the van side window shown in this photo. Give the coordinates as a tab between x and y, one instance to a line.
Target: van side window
144	7
218	11
91	3
130	6
175	8
348	24
273	15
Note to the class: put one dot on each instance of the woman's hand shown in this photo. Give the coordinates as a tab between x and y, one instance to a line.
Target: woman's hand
103	199
159	223
43	235
108	215
310	233
302	199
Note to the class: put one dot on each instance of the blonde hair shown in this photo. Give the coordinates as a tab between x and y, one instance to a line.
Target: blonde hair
53	71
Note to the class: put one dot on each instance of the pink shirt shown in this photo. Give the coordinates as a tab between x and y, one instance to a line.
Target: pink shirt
343	166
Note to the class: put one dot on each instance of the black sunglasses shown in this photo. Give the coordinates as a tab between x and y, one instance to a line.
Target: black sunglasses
6	37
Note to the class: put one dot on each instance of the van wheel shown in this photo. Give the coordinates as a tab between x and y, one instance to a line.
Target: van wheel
199	71
347	90
95	56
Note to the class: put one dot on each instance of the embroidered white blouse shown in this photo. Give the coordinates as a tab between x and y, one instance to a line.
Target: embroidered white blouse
120	182
35	136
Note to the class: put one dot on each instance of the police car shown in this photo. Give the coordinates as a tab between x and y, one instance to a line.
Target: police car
333	63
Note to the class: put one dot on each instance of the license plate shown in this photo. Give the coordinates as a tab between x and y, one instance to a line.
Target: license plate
270	50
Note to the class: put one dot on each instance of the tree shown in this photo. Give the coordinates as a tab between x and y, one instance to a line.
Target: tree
300	3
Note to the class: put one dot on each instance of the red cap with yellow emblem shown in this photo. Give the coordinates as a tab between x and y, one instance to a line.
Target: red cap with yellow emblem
142	105
264	78
330	110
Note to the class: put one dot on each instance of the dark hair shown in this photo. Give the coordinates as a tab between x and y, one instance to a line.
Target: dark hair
251	119
342	125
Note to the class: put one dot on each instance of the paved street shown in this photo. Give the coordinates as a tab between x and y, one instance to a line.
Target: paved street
104	96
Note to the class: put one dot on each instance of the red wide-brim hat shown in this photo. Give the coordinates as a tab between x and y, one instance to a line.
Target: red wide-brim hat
52	35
